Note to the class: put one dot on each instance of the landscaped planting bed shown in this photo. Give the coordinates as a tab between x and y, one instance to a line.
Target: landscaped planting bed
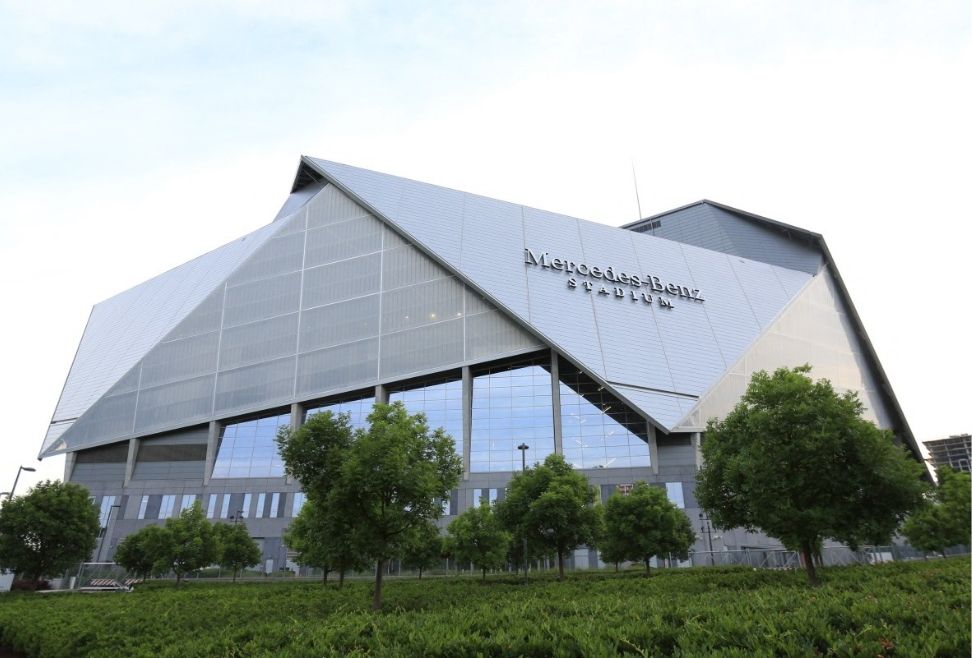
902	609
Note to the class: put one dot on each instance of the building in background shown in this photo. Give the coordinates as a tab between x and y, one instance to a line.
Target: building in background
955	451
505	325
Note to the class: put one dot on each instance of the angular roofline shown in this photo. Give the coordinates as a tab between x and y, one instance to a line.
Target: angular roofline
818	240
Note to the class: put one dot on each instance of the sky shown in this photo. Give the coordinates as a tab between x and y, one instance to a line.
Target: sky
136	136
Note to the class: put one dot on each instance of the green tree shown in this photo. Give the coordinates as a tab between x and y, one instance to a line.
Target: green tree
48	530
237	550
143	553
553	507
643	524
944	520
796	460
379	483
477	537
422	548
193	543
322	541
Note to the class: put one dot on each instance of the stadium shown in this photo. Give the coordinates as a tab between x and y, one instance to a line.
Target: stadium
521	332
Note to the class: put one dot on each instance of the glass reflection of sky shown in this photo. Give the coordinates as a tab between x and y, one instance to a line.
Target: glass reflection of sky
358	410
598	430
248	450
510	406
441	402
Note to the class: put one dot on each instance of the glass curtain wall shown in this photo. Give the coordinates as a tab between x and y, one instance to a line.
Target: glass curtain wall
357	409
598	430
511	404
248	450
440	401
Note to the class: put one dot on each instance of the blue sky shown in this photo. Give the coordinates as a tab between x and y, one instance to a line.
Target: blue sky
137	135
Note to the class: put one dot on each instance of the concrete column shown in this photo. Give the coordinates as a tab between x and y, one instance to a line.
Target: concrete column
558	427
212	445
381	394
296	415
69	459
132	456
653	448
467	392
697	449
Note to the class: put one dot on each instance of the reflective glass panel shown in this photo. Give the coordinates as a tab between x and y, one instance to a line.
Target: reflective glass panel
142	506
598	430
675	494
105	510
511	406
246	505
358	411
274	505
224	509
211	508
261	501
299	498
168	504
248	450
188	500
440	401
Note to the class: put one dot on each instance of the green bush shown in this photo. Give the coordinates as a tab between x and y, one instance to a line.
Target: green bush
901	609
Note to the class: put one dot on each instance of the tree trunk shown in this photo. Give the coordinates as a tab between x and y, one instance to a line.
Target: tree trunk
560	563
808	563
379	573
617	567
420	573
178	578
341	579
648	567
484	574
234	575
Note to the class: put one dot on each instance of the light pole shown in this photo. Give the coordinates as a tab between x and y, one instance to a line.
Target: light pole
29	469
523	447
239	515
707	531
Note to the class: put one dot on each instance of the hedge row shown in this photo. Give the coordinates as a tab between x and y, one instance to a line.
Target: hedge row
902	609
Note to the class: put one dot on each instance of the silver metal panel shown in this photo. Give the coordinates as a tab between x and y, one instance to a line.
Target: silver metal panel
406	266
492	334
204	318
297	200
343	322
122	329
330	207
179	402
421	304
261	384
346	239
278	256
415	350
262	299
342	367
180	359
110	417
355	277
258	341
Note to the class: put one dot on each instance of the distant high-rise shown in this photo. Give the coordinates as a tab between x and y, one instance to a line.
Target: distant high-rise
955	451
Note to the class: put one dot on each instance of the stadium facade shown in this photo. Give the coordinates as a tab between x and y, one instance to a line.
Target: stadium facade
502	323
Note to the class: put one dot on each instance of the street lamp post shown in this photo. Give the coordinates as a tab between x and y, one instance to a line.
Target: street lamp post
523	447
239	515
707	531
29	469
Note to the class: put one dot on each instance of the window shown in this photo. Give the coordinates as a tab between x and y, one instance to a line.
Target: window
261	500
105	511
224	508
274	505
188	500
211	509
168	504
675	494
511	406
598	430
440	401
142	506
246	505
357	410
624	489
299	499
248	450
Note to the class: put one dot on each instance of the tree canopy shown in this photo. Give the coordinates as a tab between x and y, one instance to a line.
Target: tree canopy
323	541
944	520
477	537
797	461
48	530
143	553
643	524
379	484
552	506
193	543
237	550
422	548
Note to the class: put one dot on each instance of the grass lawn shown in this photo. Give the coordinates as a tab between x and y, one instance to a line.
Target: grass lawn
901	609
